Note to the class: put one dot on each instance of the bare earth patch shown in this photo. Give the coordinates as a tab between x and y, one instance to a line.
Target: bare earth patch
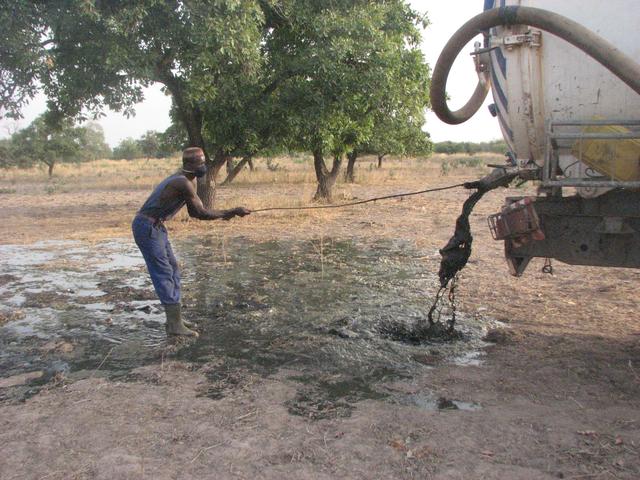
558	392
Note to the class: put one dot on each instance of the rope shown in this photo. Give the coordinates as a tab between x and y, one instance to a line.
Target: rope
360	202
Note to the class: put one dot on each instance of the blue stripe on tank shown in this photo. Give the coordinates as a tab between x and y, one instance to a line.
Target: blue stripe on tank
498	89
502	61
504	125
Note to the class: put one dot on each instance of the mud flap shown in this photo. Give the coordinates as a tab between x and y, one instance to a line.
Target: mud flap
517	263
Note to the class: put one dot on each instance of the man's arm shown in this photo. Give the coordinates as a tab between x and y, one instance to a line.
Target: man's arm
196	208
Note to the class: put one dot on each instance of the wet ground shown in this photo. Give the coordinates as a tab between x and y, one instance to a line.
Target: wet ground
555	396
322	309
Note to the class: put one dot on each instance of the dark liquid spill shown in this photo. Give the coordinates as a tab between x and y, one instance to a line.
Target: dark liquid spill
339	314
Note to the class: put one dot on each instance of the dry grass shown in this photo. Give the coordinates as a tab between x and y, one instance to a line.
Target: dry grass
97	199
90	176
142	174
395	170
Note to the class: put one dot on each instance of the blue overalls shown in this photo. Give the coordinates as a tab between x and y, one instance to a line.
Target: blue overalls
152	240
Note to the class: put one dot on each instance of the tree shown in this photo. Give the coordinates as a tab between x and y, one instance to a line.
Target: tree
399	116
23	58
47	142
234	170
243	75
174	138
93	143
51	142
448	147
392	135
127	149
6	153
90	55
154	145
337	63
149	144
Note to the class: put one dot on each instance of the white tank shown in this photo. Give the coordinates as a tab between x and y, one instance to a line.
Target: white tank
546	79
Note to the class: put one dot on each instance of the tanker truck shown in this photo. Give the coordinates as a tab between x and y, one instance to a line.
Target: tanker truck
565	81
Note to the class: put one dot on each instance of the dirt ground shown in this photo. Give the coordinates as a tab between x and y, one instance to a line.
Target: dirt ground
559	388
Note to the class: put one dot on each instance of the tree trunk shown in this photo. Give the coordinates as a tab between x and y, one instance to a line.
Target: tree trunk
207	184
251	166
50	166
326	179
236	170
230	165
349	176
192	120
191	117
380	157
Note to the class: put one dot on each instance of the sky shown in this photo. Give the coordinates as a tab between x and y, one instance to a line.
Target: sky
445	18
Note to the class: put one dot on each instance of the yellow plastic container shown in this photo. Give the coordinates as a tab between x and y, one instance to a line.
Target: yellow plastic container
618	159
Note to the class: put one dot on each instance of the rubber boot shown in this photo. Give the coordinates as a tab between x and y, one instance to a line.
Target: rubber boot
174	325
188	324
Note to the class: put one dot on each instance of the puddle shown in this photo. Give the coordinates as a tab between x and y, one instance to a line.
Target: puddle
321	309
430	402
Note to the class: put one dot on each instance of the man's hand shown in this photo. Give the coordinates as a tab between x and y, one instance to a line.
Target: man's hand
235	212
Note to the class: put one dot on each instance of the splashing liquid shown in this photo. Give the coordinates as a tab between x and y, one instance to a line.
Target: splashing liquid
455	255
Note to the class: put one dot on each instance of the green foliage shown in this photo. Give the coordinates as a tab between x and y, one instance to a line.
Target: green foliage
128	149
174	139
92	142
244	76
339	65
6	153
22	55
87	55
48	142
399	136
152	144
398	116
336	72
495	146
155	145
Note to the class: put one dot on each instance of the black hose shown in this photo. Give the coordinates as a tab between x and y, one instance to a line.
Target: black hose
368	200
601	50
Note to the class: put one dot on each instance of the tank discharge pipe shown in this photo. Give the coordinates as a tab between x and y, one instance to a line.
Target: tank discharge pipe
601	50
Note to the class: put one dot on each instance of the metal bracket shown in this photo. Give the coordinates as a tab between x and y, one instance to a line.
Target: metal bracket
531	38
481	59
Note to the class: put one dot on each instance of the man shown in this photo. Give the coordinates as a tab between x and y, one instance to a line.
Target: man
151	235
